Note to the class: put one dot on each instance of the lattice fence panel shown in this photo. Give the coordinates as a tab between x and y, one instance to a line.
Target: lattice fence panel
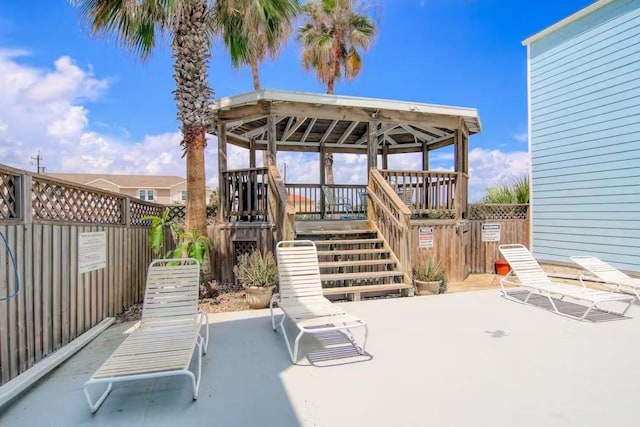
490	211
242	247
61	202
139	210
8	196
178	214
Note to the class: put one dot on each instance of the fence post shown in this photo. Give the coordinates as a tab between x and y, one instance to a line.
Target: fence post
126	211
23	199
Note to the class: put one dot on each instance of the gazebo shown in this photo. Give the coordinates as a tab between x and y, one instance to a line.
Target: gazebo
256	205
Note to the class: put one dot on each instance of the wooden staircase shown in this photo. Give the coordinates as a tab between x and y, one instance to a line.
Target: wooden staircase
354	260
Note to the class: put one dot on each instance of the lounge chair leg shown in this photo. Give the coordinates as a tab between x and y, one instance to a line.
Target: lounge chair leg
584	316
196	383
553	304
294	356
94	406
366	336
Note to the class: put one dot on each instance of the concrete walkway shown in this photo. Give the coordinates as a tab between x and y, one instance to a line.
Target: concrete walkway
462	359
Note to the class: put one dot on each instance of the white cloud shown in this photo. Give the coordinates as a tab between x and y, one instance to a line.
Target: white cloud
493	168
521	137
73	122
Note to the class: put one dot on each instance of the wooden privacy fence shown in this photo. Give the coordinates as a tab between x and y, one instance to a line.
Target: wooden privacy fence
41	220
514	228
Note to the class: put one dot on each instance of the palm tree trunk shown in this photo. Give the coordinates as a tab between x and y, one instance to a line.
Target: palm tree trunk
256	76
196	219
191	55
256	86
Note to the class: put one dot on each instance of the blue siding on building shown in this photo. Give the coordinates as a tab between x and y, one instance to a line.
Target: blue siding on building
585	137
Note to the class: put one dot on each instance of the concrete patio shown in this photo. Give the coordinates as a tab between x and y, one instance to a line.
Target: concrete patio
459	359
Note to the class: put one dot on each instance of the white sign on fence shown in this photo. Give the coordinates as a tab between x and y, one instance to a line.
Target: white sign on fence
92	251
425	237
491	232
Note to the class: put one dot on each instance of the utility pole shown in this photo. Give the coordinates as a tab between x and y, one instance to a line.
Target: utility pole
285	171
37	159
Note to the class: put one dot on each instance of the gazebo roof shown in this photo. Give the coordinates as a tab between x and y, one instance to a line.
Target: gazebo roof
307	121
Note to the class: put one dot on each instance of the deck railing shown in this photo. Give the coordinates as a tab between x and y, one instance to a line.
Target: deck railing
281	211
246	194
392	217
310	202
438	195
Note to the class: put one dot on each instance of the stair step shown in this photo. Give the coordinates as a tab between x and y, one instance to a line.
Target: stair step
334	232
353	252
365	288
353	263
367	275
347	242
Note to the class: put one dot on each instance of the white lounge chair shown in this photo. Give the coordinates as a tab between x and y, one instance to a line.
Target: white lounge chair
169	331
300	297
608	273
336	204
531	277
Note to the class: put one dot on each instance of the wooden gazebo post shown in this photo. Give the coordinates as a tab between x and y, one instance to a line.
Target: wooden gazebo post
372	147
222	168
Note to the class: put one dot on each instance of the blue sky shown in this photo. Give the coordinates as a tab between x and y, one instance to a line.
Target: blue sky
90	106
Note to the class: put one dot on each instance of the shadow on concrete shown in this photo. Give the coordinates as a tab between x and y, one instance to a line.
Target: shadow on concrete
241	386
566	307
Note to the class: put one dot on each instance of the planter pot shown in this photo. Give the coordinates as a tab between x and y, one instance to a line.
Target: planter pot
502	267
258	297
427	288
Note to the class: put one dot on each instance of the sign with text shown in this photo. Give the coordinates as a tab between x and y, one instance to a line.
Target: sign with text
92	251
491	232
425	237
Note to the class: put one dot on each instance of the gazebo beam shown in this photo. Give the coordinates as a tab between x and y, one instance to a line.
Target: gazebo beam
383	129
333	112
347	132
328	132
294	128
308	129
261	108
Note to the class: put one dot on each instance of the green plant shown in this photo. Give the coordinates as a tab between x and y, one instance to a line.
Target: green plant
516	193
426	269
257	269
156	232
191	245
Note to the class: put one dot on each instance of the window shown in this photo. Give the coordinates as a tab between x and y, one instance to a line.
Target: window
183	196
149	195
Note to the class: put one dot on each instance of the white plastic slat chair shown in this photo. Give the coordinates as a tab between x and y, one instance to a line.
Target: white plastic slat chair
531	277
609	274
336	203
169	332
301	300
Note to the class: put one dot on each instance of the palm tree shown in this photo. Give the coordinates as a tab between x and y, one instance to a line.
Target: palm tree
136	25
330	38
251	29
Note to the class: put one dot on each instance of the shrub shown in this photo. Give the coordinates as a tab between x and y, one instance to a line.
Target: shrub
256	269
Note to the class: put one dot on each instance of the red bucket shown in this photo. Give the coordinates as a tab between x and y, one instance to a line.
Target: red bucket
502	267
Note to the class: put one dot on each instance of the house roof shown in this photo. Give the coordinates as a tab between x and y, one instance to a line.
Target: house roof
122	181
309	121
566	21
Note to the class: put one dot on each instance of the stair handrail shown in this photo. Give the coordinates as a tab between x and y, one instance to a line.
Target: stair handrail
281	211
392	217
